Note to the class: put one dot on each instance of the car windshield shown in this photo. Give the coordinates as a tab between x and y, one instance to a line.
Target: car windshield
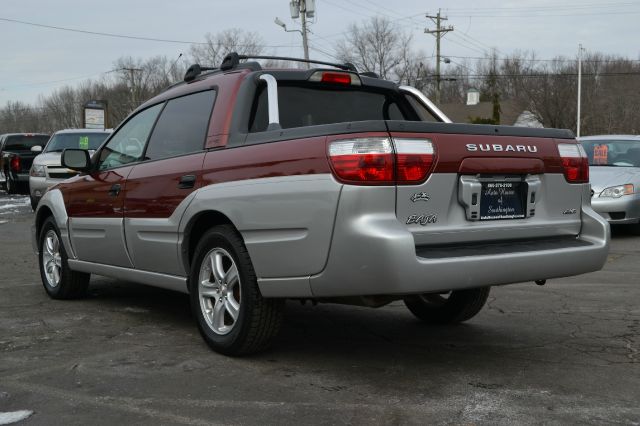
613	153
62	141
24	142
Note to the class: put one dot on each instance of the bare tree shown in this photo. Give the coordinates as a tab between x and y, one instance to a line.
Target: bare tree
219	45
378	46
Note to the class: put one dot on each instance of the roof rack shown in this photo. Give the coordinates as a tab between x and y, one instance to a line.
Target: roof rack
232	61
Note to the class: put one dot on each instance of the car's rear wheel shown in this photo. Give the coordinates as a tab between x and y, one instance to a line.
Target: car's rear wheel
59	281
34	203
448	308
12	187
233	317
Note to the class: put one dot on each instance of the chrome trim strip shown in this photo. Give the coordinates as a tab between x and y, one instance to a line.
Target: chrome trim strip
426	102
170	282
272	99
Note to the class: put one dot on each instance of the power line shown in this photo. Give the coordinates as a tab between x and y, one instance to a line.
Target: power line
539	60
553	75
533	15
44	83
570	6
130	37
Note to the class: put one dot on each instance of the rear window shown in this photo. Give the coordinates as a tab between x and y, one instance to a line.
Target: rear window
301	106
613	153
24	142
62	141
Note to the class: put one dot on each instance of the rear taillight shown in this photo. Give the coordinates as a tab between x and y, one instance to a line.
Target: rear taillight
15	163
414	159
574	162
367	160
375	161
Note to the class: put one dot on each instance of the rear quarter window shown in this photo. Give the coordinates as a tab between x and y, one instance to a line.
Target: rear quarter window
305	105
182	126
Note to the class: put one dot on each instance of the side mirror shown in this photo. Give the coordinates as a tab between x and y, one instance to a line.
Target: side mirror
36	148
76	159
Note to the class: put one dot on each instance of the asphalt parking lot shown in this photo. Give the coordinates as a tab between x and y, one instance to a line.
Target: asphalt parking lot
567	352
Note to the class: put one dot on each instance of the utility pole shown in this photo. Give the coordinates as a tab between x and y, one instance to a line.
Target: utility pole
580	50
438	33
132	79
302	9
303	19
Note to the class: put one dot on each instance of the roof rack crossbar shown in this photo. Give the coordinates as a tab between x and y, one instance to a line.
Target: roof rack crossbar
194	71
233	59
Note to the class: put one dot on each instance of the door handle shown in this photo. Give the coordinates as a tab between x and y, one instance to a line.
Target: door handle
115	190
187	181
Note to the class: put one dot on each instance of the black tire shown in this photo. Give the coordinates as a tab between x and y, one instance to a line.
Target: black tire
34	203
459	306
12	187
71	284
257	321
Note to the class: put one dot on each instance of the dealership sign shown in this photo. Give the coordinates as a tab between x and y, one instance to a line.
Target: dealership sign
95	115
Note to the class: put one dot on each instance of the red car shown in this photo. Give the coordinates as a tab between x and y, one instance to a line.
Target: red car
245	187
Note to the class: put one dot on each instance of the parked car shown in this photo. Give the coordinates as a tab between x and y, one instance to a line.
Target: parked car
47	169
244	187
614	170
17	151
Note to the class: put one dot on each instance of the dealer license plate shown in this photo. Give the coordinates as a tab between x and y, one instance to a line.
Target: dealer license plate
502	200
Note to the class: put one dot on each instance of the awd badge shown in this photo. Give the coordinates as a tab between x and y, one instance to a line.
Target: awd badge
420	196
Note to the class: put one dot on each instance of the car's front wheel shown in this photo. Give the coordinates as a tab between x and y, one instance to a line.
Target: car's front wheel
450	308
233	317
59	281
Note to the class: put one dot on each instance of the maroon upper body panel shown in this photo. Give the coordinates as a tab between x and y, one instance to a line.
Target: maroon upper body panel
286	158
462	153
95	194
154	189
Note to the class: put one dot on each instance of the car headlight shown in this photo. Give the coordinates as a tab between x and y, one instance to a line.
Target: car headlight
37	170
617	191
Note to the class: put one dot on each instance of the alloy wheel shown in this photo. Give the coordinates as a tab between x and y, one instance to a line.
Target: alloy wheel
219	291
51	258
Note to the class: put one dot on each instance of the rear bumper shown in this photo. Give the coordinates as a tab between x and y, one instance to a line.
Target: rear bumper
20	177
375	254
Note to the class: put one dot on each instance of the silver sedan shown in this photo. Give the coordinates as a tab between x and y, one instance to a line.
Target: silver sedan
614	174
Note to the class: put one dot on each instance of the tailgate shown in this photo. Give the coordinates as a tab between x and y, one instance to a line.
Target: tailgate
503	184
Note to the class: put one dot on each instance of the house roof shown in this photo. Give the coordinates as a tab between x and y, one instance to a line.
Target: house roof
462	113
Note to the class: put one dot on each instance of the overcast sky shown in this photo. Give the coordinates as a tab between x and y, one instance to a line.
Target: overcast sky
38	60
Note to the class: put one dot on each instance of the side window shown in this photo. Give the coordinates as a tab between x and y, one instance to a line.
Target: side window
182	126
127	144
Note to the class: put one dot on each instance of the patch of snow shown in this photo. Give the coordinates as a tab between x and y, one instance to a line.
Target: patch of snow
9	417
3	221
9	206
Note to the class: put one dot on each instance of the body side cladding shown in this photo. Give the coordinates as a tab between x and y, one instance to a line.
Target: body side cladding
288	238
170	282
52	203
